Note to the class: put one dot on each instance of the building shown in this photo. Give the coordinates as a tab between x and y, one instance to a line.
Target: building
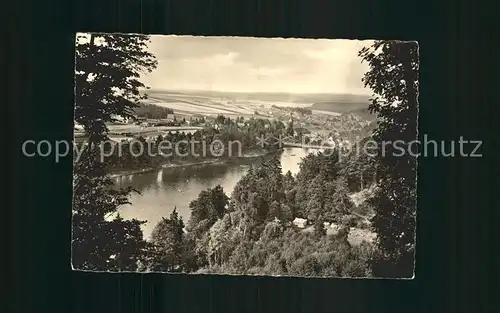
300	222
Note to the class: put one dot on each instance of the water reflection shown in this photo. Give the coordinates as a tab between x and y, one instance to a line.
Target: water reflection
159	177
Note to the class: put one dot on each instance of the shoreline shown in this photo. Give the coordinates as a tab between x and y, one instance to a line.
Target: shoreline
166	165
188	163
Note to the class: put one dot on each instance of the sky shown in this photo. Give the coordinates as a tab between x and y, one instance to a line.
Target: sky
244	64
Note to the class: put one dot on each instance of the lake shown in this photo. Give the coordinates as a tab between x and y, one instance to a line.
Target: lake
167	188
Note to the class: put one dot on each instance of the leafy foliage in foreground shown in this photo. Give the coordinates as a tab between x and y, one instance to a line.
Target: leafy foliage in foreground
393	77
106	85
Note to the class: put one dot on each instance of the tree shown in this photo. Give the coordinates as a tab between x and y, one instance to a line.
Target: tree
126	242
289	128
319	227
393	77
317	199
360	168
274	211
152	111
167	238
289	181
339	196
239	260
220	119
343	234
220	244
272	168
159	140
107	68
209	206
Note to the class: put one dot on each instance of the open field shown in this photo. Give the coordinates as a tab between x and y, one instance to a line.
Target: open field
131	128
232	104
264	96
187	105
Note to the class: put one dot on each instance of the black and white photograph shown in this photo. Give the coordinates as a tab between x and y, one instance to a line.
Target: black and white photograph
245	156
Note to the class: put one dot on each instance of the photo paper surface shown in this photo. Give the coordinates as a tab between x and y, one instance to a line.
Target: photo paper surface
245	156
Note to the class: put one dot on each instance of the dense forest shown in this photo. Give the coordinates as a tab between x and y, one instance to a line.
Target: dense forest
152	111
223	139
250	232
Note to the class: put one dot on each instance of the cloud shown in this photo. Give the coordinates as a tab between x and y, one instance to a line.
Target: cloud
268	71
257	64
315	54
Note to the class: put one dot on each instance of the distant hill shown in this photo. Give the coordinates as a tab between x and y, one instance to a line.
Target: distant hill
269	96
343	103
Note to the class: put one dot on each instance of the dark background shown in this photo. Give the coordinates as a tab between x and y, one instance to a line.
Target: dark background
455	195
